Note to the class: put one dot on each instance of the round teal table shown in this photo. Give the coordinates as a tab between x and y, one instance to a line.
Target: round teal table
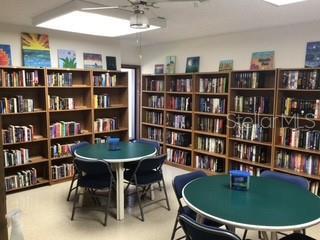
128	152
269	205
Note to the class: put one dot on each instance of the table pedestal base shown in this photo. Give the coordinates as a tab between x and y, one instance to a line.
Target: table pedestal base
120	191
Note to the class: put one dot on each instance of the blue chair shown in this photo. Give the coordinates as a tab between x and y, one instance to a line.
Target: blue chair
147	172
178	184
94	175
196	231
74	177
297	236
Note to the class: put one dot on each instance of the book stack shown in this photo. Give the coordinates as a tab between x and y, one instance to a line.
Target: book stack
256	104
179	156
248	80
155	134
63	171
301	107
254	171
181	85
21	79
59	103
178	121
61	150
250	131
21	179
155	85
210	144
101	101
212	164
106	124
301	79
156	101
14	157
178	138
154	117
250	152
300	138
213	85
179	103
105	80
213	105
213	125
60	79
298	162
16	104
16	134
101	140
64	129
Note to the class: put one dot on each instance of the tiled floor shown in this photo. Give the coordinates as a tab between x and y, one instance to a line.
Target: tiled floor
46	216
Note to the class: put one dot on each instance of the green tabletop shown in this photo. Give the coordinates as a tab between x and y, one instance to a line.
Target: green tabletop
268	205
128	152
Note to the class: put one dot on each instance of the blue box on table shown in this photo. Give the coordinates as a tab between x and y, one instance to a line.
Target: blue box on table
114	144
239	180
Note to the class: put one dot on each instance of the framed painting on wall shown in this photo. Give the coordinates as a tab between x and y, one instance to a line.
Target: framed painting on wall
262	60
5	55
313	55
92	61
67	58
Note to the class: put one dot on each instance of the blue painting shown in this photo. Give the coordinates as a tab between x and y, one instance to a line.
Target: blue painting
313	55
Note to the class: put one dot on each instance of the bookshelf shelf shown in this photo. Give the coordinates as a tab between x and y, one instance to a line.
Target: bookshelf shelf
211	114
299	90
180	93
298	149
211	94
72	136
39	139
153	92
210	134
179	147
252	89
24	113
252	114
21	88
73	86
60	158
285	170
177	111
179	129
247	162
112	131
32	160
210	153
110	88
152	125
151	108
40	182
119	106
251	142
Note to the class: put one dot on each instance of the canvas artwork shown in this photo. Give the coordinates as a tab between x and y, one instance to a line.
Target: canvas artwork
226	65
159	69
171	64
111	63
193	64
92	61
35	50
67	58
313	55
262	60
5	55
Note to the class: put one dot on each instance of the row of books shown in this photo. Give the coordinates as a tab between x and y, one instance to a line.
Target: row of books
16	104
16	134
60	103
254	171
154	117
62	171
105	80
298	162
179	156
155	85
106	124
213	85
209	163
179	103
181	85
101	101
250	152
256	104
156	101
99	140
301	79
178	138
211	144
301	107
155	134
213	105
20	78
60	79
61	150
64	129
21	179
179	121
15	157
213	125
248	80
251	131
300	138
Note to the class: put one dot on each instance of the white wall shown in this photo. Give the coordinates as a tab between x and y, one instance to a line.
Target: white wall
288	42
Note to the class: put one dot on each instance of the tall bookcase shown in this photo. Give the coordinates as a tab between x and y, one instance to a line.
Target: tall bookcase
59	123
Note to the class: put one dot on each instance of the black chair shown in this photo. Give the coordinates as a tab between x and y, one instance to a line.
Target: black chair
146	173
297	236
178	184
75	175
196	231
94	175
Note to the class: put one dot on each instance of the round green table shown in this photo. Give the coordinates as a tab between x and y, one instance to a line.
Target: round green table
269	205
128	152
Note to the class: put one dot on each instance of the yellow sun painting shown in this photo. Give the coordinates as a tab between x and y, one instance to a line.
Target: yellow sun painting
35	41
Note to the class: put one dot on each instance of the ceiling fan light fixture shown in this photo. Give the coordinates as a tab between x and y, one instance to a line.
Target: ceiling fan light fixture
139	21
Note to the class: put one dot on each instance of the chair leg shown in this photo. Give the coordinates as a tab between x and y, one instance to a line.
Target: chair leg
107	207
71	186
76	196
140	206
160	188
245	234
175	228
165	192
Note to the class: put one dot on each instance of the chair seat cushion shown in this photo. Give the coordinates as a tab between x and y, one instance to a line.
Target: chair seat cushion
192	214
297	236
145	178
98	182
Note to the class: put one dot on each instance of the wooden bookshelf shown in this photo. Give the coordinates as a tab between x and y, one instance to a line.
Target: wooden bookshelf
82	90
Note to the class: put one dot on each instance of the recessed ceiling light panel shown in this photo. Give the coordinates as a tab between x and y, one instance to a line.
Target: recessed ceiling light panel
283	2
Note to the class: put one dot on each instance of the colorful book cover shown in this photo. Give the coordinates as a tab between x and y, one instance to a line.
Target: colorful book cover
35	50
313	55
171	64
226	65
262	60
67	58
159	69
92	61
111	63
5	55
193	64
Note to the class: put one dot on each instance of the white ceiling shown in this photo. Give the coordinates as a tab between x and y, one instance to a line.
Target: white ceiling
213	17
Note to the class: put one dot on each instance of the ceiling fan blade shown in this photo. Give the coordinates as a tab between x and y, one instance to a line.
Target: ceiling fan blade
100	8
160	1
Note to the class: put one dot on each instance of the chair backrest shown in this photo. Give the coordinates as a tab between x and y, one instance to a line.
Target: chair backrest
77	146
93	167
150	164
296	180
196	231
152	143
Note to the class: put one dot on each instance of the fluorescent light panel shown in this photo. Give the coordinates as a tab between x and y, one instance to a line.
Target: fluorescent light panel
93	24
283	2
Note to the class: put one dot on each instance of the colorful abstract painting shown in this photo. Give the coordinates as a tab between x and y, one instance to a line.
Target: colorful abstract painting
67	58
5	55
262	60
313	55
193	64
171	64
92	61
111	63
226	65
35	50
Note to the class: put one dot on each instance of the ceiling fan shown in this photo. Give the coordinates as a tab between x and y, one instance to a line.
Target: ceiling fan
138	8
